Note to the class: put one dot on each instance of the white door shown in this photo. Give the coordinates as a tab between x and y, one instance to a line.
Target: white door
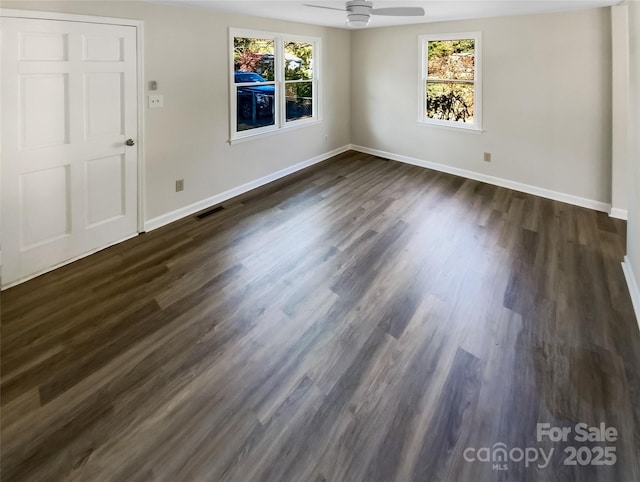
69	105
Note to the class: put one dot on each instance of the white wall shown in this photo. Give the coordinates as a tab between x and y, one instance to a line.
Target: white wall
633	224
547	100
619	101
186	53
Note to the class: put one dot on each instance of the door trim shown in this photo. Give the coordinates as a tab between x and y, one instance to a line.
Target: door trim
140	91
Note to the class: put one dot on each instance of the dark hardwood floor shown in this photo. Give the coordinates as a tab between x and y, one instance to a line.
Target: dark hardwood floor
361	320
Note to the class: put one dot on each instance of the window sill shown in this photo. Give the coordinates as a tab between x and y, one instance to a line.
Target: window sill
269	133
449	127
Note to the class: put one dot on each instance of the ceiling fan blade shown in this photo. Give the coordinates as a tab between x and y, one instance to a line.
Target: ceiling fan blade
399	11
327	8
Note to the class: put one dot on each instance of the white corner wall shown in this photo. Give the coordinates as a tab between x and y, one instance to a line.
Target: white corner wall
546	101
619	101
186	52
632	261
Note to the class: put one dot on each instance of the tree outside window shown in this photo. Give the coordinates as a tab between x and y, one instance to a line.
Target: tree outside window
275	81
450	80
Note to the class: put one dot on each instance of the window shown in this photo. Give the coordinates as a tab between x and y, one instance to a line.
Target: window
450	80
274	82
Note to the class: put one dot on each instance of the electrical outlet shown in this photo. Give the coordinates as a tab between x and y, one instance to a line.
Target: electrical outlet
156	101
487	157
180	185
326	137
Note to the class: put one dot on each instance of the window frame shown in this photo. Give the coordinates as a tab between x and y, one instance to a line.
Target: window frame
280	122
423	41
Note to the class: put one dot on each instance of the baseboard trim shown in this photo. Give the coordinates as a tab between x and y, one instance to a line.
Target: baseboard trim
618	213
496	181
632	284
172	216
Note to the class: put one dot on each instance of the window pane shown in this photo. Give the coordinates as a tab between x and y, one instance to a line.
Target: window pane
253	55
451	59
299	99
255	106
298	61
452	101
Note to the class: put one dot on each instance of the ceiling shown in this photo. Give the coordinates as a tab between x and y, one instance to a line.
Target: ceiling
436	10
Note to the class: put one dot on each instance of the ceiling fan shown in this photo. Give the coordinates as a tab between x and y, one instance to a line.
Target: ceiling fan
359	12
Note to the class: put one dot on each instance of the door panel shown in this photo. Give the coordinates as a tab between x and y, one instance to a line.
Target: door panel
103	104
43	46
102	48
69	102
43	110
105	188
46	207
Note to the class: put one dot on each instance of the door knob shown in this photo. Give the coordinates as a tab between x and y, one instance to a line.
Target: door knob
130	142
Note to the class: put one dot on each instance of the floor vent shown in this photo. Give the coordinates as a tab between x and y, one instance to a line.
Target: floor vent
210	212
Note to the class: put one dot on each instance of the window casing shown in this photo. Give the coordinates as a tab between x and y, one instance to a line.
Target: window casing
274	81
451	80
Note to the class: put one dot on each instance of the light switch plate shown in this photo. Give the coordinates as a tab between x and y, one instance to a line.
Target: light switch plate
156	101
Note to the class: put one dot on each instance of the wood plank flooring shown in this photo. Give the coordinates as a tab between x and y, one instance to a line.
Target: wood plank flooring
361	320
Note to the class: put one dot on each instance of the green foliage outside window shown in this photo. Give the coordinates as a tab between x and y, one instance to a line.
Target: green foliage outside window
450	82
299	70
254	55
